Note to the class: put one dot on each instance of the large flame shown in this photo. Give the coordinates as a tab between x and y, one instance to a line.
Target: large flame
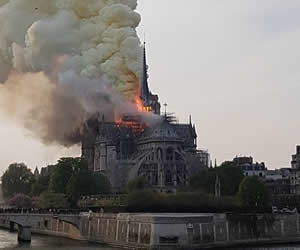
133	121
140	105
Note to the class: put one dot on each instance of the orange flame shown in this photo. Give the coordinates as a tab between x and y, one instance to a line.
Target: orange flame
140	106
132	122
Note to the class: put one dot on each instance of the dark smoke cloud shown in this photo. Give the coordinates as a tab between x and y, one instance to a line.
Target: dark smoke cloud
64	61
56	113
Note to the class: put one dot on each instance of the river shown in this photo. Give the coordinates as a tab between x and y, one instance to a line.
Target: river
9	241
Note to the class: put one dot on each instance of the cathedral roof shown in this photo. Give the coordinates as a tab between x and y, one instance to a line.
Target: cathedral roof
162	131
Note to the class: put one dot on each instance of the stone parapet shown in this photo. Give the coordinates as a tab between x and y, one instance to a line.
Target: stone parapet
168	231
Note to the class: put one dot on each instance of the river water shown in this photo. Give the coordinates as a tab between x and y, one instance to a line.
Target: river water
9	241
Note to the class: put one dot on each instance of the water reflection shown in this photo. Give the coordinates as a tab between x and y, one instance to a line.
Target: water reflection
9	241
271	247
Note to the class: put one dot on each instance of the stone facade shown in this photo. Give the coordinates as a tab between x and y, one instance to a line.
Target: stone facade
2	202
162	151
164	154
278	181
173	231
295	173
248	167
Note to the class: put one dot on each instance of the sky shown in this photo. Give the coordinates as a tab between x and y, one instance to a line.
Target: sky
232	65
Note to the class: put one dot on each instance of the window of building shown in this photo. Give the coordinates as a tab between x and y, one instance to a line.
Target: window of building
169	154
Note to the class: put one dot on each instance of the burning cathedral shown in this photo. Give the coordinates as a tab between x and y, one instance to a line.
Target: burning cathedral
164	152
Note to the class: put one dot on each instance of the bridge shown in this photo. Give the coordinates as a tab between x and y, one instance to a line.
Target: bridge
26	221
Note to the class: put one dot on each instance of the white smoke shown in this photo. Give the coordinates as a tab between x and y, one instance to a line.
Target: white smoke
83	55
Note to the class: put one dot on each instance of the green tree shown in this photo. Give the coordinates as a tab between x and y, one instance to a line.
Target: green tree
17	179
230	178
253	194
204	181
62	173
40	185
80	183
83	182
73	178
101	184
144	201
51	200
137	184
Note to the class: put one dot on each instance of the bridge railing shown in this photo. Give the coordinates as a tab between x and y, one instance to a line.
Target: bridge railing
53	211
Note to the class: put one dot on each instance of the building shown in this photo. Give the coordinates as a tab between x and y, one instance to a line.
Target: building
248	167
278	181
203	158
164	152
254	169
2	201
295	163
295	172
239	161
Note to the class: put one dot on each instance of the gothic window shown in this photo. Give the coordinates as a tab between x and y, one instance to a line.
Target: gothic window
155	180
159	154
170	154
178	180
168	178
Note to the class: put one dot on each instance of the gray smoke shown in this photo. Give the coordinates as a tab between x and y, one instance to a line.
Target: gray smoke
63	61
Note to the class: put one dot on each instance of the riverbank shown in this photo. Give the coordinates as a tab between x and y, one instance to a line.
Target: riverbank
41	242
171	231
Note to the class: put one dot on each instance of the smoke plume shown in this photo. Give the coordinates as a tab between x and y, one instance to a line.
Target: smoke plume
62	61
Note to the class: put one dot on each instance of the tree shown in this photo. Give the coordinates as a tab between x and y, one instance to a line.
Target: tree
101	184
144	201
62	174
51	200
204	181
17	179
20	201
80	183
40	185
253	194
137	184
230	178
83	182
73	178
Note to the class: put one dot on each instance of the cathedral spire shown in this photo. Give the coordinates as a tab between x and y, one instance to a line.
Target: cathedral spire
144	88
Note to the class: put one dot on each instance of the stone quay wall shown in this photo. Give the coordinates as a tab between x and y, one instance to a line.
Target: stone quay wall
48	226
171	231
